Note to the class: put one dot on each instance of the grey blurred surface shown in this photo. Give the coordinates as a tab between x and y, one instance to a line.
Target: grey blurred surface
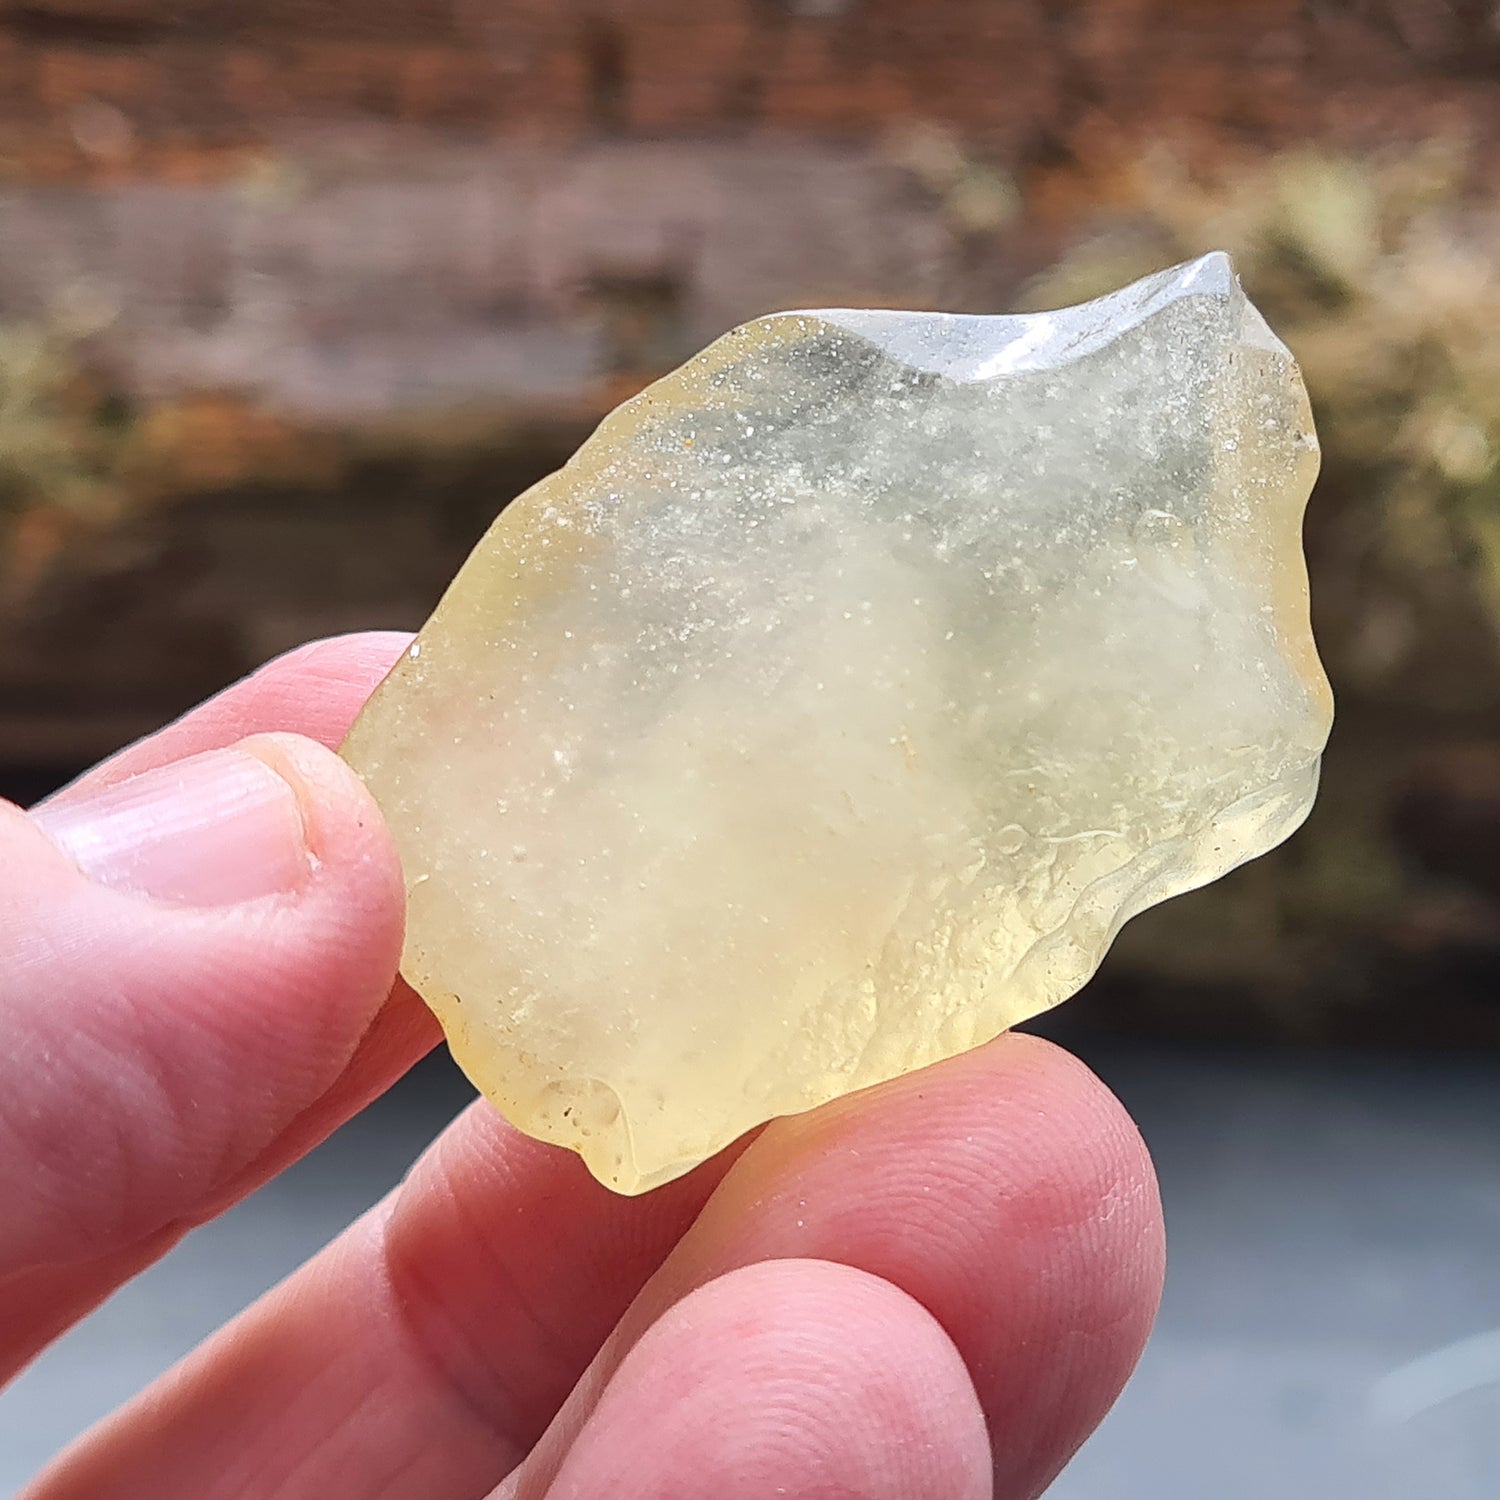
1335	1266
1329	1222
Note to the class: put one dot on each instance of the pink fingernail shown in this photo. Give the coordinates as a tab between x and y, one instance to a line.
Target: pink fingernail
211	830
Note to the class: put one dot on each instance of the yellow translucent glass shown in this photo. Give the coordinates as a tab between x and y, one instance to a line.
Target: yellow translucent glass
831	710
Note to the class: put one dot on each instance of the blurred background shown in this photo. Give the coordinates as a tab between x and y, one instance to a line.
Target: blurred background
295	294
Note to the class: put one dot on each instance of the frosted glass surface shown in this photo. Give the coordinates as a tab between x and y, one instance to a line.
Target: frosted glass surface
838	701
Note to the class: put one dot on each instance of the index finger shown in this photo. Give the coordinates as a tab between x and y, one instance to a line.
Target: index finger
314	691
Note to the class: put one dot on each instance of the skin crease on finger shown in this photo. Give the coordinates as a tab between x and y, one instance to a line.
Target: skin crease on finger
1005	1191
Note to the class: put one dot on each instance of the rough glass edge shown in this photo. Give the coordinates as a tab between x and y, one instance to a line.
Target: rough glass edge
974	347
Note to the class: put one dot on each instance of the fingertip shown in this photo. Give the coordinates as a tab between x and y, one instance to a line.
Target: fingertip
331	677
315	690
787	1377
273	815
1091	1163
1016	1129
1008	1192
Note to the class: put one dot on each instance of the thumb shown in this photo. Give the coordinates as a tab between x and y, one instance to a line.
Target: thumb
189	961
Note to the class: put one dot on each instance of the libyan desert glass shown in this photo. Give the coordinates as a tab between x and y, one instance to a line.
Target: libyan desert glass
831	710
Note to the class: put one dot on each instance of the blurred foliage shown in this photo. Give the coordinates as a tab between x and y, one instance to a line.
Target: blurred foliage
77	456
63	441
976	197
1382	274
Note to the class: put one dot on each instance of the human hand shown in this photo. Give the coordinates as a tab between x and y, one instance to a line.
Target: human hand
928	1291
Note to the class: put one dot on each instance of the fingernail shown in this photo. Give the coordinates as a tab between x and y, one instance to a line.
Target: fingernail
211	830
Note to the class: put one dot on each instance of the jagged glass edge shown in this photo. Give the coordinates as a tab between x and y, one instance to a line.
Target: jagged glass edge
973	347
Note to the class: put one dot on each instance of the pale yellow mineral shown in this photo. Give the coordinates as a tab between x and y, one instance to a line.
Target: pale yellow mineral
832	709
